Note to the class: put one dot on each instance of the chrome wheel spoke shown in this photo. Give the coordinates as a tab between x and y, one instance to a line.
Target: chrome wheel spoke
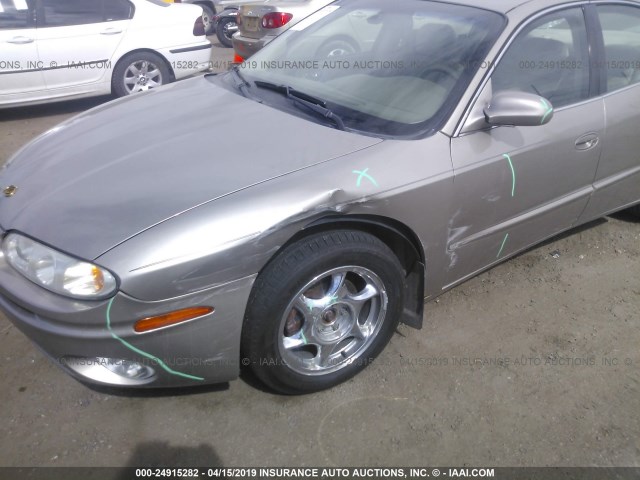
295	341
357	301
308	306
152	84
301	337
133	70
323	358
337	289
358	333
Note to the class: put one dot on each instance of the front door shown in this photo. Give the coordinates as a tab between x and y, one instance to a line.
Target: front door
518	185
77	38
20	71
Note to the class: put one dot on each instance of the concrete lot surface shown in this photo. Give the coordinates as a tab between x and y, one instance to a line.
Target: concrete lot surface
533	363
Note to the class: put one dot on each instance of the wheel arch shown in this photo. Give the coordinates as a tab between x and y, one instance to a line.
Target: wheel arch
399	238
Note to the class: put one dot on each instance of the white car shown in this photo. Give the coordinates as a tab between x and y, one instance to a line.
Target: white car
54	50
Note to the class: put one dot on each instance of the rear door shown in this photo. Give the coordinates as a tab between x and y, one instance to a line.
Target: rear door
77	38
20	70
617	182
518	185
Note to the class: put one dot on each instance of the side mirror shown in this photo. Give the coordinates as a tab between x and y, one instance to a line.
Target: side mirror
518	109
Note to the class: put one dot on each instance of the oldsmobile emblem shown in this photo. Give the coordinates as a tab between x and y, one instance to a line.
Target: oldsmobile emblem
10	191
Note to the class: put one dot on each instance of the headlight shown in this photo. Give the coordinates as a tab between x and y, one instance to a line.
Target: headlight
56	271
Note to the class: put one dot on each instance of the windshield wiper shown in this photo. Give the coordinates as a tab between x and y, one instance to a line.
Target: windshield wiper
314	104
242	85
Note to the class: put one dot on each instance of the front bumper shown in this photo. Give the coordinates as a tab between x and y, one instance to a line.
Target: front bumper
74	333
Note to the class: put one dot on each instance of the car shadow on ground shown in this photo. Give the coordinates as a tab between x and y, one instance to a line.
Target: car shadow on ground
625	216
157	392
50	109
156	454
568	233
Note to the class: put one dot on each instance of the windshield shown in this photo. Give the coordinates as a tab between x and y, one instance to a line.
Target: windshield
384	68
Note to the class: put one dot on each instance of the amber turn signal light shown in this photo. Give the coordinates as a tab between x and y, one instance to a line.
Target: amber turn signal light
171	318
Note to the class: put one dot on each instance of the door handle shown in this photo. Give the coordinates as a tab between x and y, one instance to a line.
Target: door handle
111	31
587	141
20	40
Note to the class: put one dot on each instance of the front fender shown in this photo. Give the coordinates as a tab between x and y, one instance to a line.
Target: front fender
235	236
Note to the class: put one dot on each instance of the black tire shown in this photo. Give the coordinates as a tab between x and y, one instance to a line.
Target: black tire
222	31
124	80
352	285
207	17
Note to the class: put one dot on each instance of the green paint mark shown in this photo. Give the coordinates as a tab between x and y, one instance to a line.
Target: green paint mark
304	339
363	174
513	175
504	242
548	112
140	352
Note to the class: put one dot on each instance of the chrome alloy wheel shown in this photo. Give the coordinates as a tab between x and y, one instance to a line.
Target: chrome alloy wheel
332	320
142	75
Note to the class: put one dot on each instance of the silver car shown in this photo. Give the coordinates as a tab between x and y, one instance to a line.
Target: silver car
454	136
261	22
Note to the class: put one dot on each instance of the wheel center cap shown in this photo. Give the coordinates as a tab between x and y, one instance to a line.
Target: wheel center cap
329	316
333	323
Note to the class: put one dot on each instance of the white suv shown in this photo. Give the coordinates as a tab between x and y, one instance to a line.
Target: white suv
59	49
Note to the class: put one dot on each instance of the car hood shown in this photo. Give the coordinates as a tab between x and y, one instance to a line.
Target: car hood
102	177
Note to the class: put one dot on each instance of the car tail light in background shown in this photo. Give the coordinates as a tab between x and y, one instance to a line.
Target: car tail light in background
276	19
198	27
237	58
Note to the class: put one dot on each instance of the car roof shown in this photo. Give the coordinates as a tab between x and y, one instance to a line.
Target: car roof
502	6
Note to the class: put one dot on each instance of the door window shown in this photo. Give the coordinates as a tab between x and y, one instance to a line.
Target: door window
549	58
621	34
15	14
117	10
59	13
